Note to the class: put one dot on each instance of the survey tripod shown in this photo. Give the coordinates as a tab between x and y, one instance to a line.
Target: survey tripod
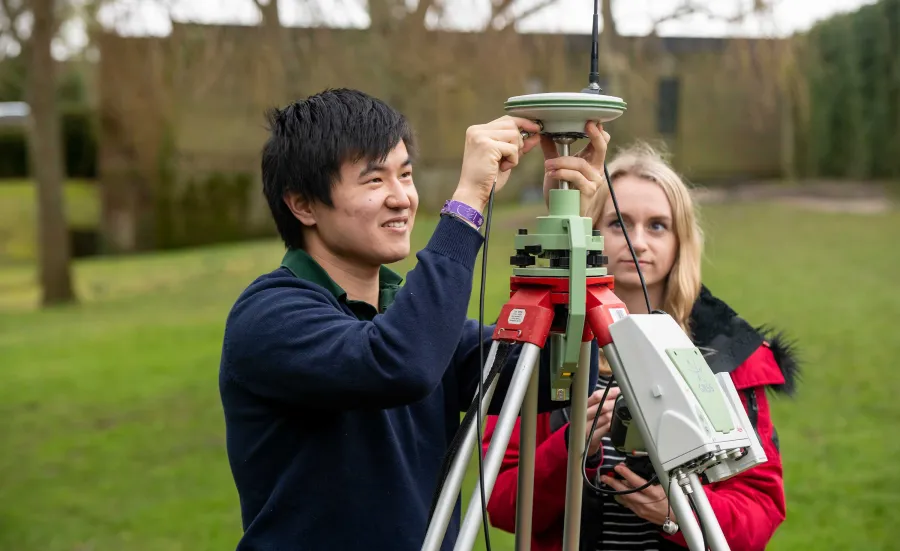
688	422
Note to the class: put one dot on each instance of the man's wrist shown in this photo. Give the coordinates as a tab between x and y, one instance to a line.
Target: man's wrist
471	198
466	209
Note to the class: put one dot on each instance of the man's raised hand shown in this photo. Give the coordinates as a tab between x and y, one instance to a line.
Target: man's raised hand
491	151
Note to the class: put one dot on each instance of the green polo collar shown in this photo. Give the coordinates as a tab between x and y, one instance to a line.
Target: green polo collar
303	266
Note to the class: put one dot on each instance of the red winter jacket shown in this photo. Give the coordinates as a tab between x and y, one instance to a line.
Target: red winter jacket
749	506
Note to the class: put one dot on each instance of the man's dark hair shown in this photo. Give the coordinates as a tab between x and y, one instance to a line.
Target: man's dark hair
311	139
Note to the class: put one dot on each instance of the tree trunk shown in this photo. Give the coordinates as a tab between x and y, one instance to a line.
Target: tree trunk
45	148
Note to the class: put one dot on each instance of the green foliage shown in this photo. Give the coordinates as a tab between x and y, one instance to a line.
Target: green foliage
200	208
205	209
72	75
852	68
79	141
79	135
118	440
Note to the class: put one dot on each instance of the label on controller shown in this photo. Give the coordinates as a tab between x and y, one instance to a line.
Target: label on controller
618	314
516	317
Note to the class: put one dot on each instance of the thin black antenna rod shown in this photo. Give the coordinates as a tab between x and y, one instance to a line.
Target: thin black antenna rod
594	76
595	47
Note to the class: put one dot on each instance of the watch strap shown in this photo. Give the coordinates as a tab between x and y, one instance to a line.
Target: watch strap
464	211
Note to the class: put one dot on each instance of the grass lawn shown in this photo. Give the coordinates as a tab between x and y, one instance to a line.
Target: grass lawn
18	216
113	437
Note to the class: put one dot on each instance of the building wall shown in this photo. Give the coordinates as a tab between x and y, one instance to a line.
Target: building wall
186	112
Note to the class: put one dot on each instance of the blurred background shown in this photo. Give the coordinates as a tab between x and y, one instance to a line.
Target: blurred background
131	217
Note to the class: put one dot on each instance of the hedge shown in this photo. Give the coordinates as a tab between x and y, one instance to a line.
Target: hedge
79	141
852	72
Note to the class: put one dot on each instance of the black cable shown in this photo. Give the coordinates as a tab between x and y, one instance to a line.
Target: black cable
481	358
503	351
487	233
593	78
500	358
584	456
669	501
700	524
637	265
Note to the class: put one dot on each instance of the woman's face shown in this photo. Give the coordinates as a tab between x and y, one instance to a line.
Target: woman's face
648	219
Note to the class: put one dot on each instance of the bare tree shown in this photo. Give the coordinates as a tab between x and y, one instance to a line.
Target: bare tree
505	13
275	44
268	10
47	159
45	141
390	14
613	59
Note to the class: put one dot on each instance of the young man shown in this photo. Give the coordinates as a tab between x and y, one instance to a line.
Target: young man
341	390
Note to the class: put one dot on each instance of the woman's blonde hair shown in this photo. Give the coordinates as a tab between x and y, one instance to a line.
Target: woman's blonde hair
683	282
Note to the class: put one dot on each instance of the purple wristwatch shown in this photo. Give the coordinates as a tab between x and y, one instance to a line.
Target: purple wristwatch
464	211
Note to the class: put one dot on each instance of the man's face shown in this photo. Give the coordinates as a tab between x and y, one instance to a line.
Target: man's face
374	210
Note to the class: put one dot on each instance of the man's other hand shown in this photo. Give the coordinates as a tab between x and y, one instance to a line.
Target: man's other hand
491	151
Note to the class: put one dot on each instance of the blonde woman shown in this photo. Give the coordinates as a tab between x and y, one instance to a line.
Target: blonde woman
660	219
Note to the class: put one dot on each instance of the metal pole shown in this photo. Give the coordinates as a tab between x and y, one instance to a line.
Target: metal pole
527	444
443	510
684	515
562	147
499	440
707	517
577	437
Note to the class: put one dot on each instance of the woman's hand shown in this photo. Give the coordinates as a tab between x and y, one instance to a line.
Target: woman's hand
604	418
650	504
583	171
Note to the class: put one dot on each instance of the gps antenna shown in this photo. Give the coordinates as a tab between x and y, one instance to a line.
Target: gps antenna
594	76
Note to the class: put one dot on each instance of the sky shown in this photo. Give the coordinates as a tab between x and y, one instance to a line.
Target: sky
572	16
633	17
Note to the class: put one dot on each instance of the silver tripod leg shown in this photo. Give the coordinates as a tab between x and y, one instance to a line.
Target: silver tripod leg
499	440
687	524
447	500
527	444
714	535
577	437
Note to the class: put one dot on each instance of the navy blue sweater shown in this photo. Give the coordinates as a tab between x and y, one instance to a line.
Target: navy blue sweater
337	426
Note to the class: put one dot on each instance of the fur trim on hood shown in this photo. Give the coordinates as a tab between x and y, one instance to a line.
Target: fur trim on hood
785	351
727	340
